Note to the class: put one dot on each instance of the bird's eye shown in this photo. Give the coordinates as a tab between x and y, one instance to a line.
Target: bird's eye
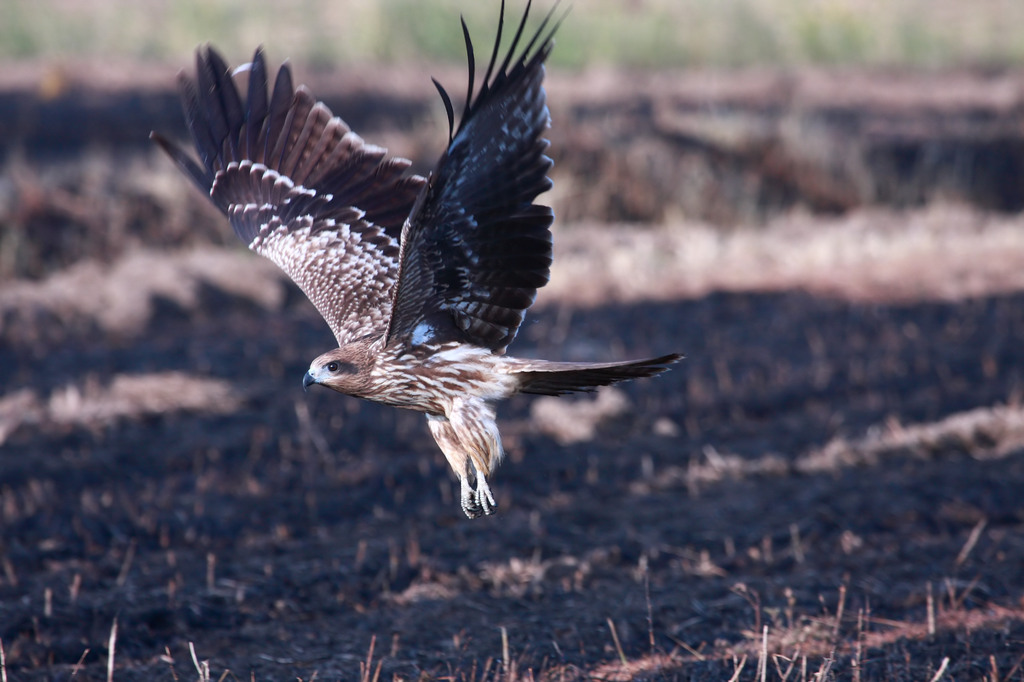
332	367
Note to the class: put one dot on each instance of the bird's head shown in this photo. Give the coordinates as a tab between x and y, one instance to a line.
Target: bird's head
343	369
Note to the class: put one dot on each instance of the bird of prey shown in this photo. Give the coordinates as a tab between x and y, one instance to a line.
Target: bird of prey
424	281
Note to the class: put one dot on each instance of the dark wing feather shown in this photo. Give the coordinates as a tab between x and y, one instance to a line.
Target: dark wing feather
300	188
476	248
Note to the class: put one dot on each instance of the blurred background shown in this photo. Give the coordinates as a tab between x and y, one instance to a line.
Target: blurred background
725	113
622	33
817	201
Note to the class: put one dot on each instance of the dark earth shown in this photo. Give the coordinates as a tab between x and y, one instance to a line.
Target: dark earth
823	488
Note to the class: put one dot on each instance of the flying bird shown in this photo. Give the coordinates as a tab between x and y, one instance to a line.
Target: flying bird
424	281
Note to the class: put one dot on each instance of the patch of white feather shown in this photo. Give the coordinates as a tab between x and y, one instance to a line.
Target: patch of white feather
423	333
461	353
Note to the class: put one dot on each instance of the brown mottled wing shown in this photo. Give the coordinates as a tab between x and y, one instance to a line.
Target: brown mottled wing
301	189
476	247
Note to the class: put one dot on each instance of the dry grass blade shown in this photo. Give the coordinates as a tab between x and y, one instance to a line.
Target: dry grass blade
784	674
650	610
202	667
126	565
78	666
972	540
858	657
826	667
618	645
9	573
169	659
365	668
931	611
762	661
688	649
3	663
506	657
839	612
1015	668
112	643
957	602
942	670
739	669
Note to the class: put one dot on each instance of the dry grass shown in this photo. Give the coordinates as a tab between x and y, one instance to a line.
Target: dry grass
815	646
984	432
941	252
92	403
799	647
120	298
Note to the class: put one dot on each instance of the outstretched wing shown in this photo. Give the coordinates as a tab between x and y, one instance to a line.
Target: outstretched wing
300	188
476	248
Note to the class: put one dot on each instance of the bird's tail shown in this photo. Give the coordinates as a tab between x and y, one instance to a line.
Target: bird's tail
558	378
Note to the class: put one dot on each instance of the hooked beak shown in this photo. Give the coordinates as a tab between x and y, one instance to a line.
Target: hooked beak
307	380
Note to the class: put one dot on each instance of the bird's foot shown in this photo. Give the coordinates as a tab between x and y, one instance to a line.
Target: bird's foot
484	497
479	502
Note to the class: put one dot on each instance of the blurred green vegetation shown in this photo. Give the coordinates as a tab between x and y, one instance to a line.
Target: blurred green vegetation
631	33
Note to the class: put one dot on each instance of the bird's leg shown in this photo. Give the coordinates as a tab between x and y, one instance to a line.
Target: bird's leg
484	498
469	503
468	437
479	501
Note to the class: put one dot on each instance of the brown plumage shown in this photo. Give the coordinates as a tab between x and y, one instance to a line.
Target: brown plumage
424	281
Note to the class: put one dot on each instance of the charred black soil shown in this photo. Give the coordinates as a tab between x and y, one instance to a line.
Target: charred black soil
283	535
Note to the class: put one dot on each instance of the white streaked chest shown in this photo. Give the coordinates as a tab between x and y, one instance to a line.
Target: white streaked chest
429	378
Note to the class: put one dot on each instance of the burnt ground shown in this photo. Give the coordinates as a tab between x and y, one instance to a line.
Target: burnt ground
823	483
282	535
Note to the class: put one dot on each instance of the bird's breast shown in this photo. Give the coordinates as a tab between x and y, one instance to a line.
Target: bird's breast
428	379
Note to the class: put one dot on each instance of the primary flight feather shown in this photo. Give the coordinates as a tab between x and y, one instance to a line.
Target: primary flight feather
424	281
